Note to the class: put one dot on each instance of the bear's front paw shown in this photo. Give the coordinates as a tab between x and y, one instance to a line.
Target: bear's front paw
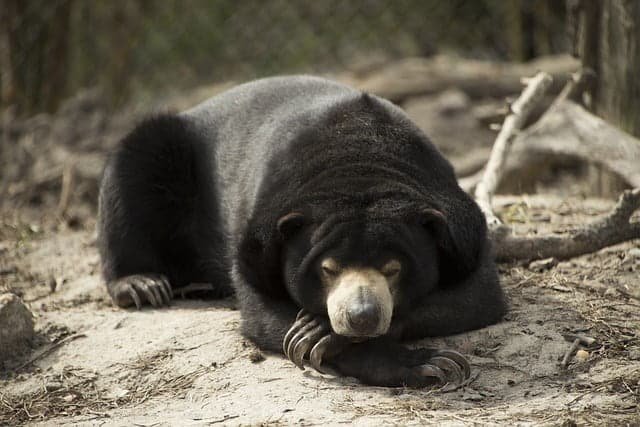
383	362
311	336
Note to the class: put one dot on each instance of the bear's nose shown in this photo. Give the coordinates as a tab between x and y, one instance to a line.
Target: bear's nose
363	316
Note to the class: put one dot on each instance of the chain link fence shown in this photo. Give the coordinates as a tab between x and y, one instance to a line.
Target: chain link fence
49	49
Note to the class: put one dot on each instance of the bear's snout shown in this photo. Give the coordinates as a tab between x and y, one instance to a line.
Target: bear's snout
360	303
363	314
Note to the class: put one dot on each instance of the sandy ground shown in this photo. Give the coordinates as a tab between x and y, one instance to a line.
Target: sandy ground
94	364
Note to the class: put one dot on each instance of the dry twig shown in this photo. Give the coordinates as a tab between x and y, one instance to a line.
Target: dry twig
67	189
575	86
520	110
569	354
49	348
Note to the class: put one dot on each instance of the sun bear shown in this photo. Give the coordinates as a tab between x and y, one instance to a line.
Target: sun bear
334	220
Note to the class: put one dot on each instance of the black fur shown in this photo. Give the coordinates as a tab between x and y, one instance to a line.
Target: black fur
199	196
158	207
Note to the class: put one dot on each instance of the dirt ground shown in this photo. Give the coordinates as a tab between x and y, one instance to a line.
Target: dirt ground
94	364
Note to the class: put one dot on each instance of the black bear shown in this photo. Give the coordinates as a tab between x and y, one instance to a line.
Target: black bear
338	225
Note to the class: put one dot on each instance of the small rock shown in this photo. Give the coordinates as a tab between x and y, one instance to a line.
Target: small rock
582	355
69	398
634	253
543	264
16	326
256	356
472	396
118	393
53	386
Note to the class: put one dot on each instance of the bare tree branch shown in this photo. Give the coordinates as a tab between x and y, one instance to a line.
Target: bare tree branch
595	145
613	229
520	109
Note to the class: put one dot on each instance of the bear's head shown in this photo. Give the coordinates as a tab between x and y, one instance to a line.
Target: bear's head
362	271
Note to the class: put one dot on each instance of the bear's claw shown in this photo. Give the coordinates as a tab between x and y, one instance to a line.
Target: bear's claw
428	370
309	335
302	320
129	290
305	344
447	366
456	360
301	336
322	348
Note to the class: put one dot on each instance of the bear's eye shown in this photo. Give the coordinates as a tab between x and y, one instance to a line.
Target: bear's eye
330	267
391	268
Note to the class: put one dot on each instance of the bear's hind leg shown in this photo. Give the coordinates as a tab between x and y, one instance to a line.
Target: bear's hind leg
159	226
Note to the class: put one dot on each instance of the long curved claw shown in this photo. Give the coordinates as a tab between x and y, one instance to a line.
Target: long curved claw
318	351
302	332
134	296
458	358
141	285
303	345
449	366
159	285
154	286
301	320
428	370
165	289
167	286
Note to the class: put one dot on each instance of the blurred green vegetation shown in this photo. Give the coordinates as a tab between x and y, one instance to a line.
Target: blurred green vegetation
49	49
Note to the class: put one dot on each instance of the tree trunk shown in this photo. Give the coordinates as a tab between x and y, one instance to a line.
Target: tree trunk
7	18
33	53
530	26
606	36
56	56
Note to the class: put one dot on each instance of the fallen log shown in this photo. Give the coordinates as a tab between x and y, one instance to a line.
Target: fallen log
478	79
614	228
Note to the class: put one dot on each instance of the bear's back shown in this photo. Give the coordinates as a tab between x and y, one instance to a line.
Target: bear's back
246	125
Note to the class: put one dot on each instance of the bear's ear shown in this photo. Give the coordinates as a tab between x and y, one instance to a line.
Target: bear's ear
458	250
436	221
431	216
290	223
